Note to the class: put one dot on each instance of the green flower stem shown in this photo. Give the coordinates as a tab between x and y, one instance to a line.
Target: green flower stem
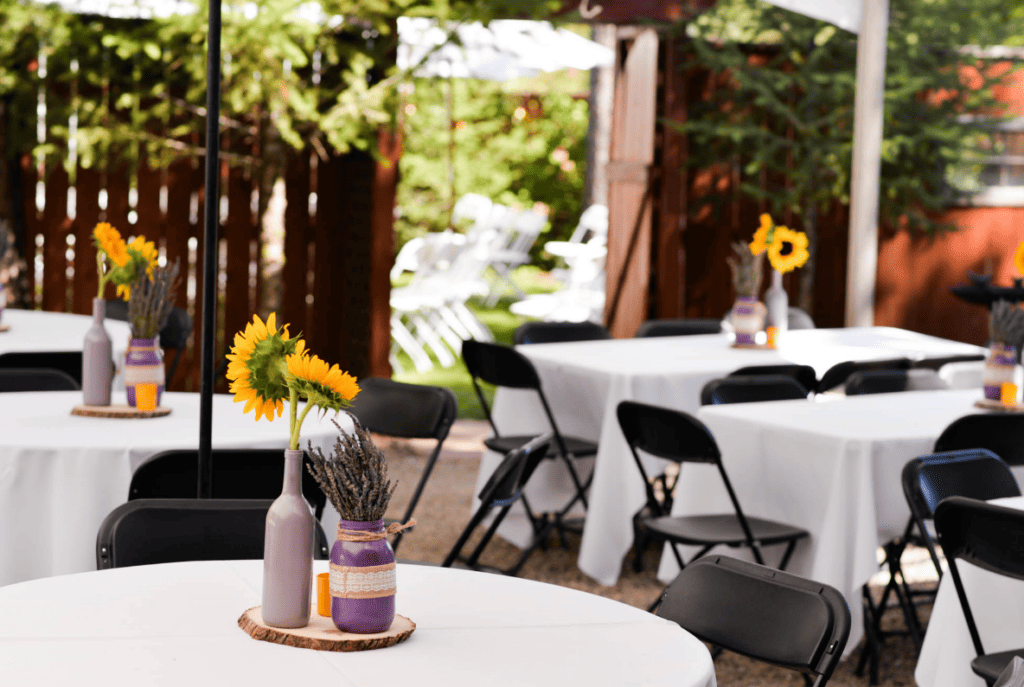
293	402
298	425
104	278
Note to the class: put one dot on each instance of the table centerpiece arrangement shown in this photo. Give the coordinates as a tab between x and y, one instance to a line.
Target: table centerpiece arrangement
119	263
747	312
150	303
787	250
1006	335
266	367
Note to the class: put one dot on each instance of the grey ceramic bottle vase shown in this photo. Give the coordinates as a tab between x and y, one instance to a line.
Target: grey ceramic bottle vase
288	552
777	301
97	365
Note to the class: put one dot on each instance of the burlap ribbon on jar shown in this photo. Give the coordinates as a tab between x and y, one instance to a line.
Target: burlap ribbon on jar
365	582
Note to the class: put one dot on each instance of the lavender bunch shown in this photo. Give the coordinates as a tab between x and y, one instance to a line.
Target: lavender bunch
355	476
746	270
152	300
1006	325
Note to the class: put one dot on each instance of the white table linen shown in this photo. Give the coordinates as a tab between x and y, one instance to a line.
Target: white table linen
60	475
831	466
585	381
176	624
997	603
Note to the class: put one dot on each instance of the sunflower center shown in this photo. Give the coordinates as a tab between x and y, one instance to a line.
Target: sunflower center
787	248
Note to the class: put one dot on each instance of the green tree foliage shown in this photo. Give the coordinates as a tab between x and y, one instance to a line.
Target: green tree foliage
515	149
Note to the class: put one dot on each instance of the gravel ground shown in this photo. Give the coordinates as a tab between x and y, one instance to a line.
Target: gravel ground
444	510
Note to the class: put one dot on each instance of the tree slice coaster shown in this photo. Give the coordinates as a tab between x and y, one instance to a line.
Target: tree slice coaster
5	327
989	404
322	635
119	411
756	347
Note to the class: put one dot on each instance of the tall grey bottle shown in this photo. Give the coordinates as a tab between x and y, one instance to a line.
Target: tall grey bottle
288	552
97	359
777	301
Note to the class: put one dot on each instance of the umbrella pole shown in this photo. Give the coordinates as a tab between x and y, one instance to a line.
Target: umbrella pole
212	208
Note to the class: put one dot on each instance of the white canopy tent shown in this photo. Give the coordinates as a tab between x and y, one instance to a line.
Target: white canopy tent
869	19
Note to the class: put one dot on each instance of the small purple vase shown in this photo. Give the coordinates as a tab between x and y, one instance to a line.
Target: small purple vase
362	601
999	369
143	364
747	319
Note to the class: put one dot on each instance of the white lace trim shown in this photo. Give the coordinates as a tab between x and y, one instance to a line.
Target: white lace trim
344	583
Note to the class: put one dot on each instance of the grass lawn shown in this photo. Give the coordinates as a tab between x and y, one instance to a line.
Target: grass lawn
502	324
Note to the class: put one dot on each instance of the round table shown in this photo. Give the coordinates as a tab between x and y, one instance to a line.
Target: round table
36	330
60	474
176	624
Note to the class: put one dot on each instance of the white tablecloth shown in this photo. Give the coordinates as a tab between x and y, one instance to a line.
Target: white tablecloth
585	381
997	603
60	474
176	624
830	466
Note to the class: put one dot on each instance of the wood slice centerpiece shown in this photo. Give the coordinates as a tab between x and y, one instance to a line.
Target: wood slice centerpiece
5	327
755	346
322	635
998	406
119	411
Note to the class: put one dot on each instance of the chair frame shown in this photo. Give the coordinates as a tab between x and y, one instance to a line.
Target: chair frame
679	327
706	612
69	362
37	379
838	374
804	374
959	522
982	430
556	332
775	387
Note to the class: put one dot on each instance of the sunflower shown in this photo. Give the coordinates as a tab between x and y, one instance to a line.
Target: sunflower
256	368
143	253
109	241
788	249
761	236
1018	258
316	381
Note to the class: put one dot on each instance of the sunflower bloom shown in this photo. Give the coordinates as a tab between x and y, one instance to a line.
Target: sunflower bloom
788	249
108	239
147	251
256	367
1018	258
761	236
326	385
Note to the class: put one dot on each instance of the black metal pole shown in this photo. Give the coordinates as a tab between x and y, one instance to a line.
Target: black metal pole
212	209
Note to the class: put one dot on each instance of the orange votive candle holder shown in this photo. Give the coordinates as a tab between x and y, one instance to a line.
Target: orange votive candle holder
773	336
323	594
145	396
1009	394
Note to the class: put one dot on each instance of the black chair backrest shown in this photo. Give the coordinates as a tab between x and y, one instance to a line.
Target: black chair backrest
508	479
237	474
761	612
499	365
1002	434
751	389
937	363
975	473
876	382
839	373
411	411
804	374
151	531
683	327
666	433
554	332
68	362
799	319
36	379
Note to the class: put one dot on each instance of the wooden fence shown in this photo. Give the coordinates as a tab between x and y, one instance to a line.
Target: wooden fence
338	247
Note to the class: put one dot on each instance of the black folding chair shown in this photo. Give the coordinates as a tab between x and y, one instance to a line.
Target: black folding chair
799	319
554	332
681	438
237	474
839	373
890	381
682	327
151	531
802	373
761	613
174	335
503	488
1000	433
990	537
410	411
751	389
68	362
505	366
937	363
36	379
973	472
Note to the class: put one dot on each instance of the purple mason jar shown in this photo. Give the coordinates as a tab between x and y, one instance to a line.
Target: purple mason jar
747	319
362	578
143	364
999	369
